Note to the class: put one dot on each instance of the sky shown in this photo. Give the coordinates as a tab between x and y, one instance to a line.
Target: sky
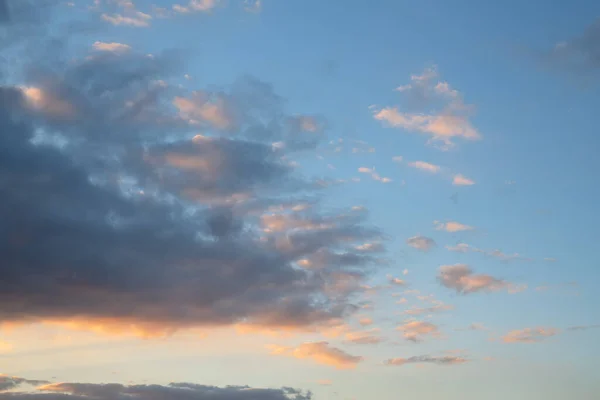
299	200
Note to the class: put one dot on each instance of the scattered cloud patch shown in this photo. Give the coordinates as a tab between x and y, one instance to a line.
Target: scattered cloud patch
450	121
461	278
529	335
422	243
415	331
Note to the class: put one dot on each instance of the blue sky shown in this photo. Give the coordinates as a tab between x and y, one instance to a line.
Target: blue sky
427	167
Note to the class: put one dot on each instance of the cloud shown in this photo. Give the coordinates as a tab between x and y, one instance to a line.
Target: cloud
321	353
437	306
112	47
529	335
580	55
452	226
13	382
465	248
253	6
365	321
461	180
374	175
183	390
396	281
425	166
135	19
364	337
421	243
451	120
445	360
583	327
196	6
416	330
461	278
121	218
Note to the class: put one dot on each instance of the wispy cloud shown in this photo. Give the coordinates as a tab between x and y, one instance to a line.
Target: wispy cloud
136	19
500	255
425	166
529	335
320	352
443	360
112	47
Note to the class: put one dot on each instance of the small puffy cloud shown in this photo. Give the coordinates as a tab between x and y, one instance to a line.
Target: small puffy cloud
452	226
444	360
425	166
112	47
449	120
325	382
461	278
529	335
397	159
416	330
365	321
461	180
396	281
320	352
136	19
422	243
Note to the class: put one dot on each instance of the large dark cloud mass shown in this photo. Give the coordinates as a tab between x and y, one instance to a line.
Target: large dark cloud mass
115	391
580	54
115	209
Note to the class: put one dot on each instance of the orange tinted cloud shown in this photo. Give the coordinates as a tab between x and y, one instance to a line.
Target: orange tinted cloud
416	330
321	353
529	335
452	226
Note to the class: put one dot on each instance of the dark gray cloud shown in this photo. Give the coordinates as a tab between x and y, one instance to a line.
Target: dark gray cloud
115	210
183	391
580	55
12	382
